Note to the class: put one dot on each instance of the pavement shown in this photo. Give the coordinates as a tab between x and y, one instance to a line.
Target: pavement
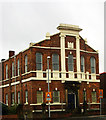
97	117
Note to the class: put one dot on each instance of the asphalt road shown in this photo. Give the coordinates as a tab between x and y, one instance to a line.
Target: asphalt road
103	117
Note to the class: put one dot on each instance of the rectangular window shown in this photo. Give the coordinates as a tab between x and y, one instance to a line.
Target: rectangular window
12	69
56	96
12	98
26	63
39	96
94	96
6	99
18	97
6	71
18	67
26	96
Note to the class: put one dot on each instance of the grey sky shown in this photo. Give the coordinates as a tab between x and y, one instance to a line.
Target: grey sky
25	21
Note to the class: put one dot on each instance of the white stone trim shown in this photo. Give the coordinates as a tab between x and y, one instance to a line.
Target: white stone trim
55	110
62	44
26	103
82	50
55	74
63	81
46	47
15	83
50	104
39	74
2	86
26	73
5	80
88	51
91	103
78	53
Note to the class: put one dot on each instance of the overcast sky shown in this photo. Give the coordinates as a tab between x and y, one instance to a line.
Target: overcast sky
25	21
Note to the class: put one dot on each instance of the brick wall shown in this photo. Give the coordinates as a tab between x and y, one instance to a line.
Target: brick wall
33	86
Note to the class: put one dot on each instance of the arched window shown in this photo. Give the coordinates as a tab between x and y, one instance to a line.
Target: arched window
55	62
82	64
26	63
12	69
92	61
38	61
26	96
94	96
6	71
39	96
18	66
70	62
56	96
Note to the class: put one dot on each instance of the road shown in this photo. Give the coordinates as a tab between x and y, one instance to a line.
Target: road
102	117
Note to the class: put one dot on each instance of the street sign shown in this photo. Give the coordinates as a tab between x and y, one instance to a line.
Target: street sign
100	93
48	96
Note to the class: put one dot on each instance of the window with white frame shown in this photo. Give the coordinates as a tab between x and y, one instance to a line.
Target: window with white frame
55	62
39	96
13	98
92	61
6	99
56	96
94	96
18	97
18	66
26	63
6	71
70	62
26	96
82	64
38	61
12	69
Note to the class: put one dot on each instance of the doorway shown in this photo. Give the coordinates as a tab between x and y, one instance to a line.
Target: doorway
71	101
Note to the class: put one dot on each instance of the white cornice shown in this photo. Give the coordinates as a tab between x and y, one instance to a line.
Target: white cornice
2	86
88	51
40	79
15	83
46	47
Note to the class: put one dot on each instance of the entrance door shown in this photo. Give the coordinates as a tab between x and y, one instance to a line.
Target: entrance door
71	101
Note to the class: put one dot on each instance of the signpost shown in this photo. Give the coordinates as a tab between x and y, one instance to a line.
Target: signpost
100	96
48	94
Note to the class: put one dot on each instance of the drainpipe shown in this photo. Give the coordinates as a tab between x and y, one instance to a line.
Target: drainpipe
15	77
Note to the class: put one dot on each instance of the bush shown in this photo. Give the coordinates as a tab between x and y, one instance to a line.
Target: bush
4	110
12	109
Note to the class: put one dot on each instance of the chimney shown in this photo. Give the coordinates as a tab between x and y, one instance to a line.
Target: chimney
11	53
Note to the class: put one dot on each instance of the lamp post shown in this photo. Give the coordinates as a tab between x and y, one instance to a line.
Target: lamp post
48	82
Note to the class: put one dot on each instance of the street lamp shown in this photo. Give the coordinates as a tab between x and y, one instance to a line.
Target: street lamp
48	82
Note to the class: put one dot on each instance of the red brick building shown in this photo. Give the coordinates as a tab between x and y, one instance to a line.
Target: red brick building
73	73
103	83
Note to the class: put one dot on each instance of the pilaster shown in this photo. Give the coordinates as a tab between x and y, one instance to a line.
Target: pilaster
78	53
62	44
